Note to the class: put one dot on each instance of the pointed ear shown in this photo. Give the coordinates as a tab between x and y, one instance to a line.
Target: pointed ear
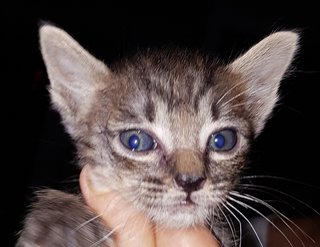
261	70
74	74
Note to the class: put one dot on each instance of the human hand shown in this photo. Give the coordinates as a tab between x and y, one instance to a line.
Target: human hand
132	228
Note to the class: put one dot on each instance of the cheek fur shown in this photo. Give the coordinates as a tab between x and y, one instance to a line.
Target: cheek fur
227	171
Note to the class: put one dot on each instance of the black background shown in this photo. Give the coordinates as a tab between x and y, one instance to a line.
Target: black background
38	153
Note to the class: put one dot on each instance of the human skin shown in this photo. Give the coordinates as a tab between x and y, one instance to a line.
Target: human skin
132	228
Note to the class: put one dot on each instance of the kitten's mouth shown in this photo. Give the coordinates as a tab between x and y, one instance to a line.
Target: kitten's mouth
181	211
185	203
188	200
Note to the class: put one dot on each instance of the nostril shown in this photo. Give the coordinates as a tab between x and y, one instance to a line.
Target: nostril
189	183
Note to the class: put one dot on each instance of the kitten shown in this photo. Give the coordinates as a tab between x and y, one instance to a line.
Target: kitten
170	130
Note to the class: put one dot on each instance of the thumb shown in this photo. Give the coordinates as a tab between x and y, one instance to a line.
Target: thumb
130	227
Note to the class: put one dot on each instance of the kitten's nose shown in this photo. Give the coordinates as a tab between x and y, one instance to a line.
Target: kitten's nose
189	183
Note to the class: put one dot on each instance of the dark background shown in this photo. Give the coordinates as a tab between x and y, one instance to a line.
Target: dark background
39	154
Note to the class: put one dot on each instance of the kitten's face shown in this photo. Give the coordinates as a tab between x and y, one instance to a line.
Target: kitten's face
169	130
157	141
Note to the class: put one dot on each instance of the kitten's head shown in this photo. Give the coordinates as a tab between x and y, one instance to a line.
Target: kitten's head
169	130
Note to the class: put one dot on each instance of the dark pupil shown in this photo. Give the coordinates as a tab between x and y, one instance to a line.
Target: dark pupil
219	141
134	141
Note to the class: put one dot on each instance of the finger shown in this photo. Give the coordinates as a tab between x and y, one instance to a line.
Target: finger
130	227
191	237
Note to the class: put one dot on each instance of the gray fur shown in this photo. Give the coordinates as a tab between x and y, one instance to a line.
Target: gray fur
180	98
55	220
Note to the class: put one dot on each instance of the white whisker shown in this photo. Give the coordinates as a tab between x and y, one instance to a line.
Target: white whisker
105	237
209	220
227	92
282	193
233	98
232	227
277	212
233	107
247	220
245	205
237	105
281	179
87	222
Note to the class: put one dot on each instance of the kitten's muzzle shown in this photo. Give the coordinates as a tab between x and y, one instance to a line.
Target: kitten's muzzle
188	170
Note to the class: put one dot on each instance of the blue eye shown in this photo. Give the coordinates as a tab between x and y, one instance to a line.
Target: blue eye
223	140
137	140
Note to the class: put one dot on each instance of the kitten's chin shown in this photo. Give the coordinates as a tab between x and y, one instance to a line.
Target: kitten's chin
180	216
